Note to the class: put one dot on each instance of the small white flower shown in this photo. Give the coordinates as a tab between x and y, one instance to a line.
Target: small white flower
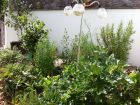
68	10
102	13
138	100
78	9
58	62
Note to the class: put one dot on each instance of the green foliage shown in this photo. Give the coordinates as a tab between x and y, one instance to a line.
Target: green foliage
69	50
45	55
90	83
8	56
3	7
19	13
99	78
117	43
33	32
30	99
20	6
19	78
19	23
66	46
89	51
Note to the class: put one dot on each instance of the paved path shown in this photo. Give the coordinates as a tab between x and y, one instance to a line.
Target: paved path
1	93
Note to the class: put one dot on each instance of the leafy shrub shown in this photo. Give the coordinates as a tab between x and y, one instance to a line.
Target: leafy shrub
33	32
8	56
102	82
117	43
98	79
45	55
19	78
90	83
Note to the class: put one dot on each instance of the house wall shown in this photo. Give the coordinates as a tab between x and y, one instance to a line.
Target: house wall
56	21
1	34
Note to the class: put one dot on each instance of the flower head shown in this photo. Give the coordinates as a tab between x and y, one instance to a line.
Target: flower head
102	13
138	100
68	10
58	62
78	9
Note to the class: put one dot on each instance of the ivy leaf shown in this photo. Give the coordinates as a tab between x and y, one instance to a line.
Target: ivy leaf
96	69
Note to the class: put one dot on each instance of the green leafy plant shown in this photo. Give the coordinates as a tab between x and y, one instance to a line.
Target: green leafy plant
88	50
45	55
119	42
33	32
30	99
18	80
10	57
3	7
90	83
19	12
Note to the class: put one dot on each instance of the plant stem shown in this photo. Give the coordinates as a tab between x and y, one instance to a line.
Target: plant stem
79	40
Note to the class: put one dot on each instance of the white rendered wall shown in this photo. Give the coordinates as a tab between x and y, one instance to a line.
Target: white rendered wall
57	22
10	35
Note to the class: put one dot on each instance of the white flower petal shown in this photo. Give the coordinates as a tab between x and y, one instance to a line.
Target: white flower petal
68	10
78	9
102	13
58	62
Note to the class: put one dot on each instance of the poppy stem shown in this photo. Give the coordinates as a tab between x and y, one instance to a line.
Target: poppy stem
79	40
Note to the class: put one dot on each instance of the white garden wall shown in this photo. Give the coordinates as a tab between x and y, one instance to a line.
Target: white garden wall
57	22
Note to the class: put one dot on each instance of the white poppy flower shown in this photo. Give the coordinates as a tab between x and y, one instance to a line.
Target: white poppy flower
68	10
102	13
58	62
78	9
